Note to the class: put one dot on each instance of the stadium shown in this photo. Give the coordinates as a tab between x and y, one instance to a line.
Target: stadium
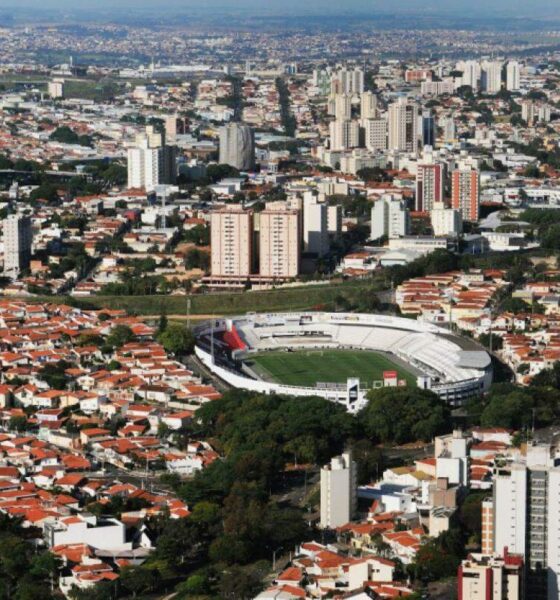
340	356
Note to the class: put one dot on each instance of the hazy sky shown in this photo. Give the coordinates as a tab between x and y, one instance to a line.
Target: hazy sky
509	8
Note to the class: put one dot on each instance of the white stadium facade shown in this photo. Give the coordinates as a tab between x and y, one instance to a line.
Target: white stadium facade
453	367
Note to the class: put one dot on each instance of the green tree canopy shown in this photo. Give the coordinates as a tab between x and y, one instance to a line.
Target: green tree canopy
401	415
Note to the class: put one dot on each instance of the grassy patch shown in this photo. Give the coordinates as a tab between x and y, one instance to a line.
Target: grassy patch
305	368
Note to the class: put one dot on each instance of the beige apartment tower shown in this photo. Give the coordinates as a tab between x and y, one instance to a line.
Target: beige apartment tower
232	242
279	238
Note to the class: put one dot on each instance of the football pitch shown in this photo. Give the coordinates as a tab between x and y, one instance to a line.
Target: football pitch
306	368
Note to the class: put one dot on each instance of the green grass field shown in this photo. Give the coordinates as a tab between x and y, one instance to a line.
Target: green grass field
305	368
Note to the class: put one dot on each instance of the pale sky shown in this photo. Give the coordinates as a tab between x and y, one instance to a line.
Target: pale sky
473	8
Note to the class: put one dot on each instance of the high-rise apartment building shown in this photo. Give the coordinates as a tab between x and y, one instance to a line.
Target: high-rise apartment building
403	126
513	76
344	134
231	242
465	193
491	79
279	242
338	491
18	240
526	519
533	112
315	225
151	162
368	106
348	81
375	134
471	73
429	186
428	129
237	146
389	217
343	107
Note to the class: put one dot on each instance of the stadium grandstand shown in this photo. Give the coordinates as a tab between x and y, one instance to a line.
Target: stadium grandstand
453	367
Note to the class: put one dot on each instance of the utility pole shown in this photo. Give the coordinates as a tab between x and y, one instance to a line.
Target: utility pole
212	340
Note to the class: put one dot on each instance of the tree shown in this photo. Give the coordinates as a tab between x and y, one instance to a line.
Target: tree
66	135
195	585
55	374
46	191
401	415
17	423
138	580
197	259
119	336
548	377
177	339
440	557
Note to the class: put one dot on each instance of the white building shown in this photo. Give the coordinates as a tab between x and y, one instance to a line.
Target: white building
471	73
389	217
343	107
344	134
491	76
315	225
375	134
338	491
452	463
491	577
445	221
513	76
526	518
403	126
151	162
18	239
368	106
348	81
237	146
56	88
105	534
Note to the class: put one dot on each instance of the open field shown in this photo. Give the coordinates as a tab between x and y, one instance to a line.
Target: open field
312	297
306	368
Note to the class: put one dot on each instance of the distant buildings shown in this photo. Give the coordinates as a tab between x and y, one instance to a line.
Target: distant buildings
338	491
534	112
55	88
151	162
18	239
237	146
347	81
